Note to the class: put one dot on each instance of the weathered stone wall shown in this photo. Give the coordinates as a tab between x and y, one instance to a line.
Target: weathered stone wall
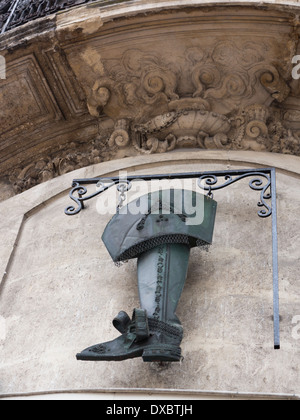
60	291
89	92
115	79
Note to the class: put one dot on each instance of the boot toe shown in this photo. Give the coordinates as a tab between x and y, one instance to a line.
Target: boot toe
111	351
96	352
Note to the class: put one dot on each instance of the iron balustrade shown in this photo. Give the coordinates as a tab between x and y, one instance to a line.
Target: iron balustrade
18	12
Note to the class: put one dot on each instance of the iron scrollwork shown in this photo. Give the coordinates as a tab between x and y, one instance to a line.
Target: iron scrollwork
79	193
257	184
207	181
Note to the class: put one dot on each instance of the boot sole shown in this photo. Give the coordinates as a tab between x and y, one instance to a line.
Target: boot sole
158	354
109	358
151	354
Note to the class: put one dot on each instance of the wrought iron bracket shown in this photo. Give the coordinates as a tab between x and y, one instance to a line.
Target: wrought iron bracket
262	180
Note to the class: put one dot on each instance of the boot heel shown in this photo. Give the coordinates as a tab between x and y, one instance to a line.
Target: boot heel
159	354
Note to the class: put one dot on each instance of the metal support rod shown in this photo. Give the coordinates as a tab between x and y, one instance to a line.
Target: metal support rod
275	262
10	16
181	175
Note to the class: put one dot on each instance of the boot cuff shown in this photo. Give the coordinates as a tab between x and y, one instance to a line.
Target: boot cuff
171	331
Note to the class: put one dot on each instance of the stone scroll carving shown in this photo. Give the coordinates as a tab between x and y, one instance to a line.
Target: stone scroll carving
224	96
218	98
225	78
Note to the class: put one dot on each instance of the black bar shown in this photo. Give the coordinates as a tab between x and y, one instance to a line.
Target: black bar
183	175
275	262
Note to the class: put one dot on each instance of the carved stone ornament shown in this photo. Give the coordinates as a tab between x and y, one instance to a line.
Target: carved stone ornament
74	157
228	104
97	88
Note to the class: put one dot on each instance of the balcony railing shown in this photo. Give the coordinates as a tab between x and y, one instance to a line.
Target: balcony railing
15	13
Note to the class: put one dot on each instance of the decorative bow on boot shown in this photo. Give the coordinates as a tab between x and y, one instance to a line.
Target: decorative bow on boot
141	337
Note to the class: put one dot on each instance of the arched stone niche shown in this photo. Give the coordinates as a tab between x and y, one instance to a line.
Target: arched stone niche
106	81
60	290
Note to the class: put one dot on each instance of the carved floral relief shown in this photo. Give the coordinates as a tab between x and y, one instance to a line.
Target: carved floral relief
224	96
218	97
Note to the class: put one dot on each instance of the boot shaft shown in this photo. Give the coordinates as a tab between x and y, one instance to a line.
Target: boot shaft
162	273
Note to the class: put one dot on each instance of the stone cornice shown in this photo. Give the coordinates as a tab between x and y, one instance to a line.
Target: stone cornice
99	83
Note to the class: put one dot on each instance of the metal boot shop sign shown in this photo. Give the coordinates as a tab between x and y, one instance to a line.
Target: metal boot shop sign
159	229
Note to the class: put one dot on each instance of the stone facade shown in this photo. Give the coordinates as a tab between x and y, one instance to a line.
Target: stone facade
147	87
93	84
60	290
